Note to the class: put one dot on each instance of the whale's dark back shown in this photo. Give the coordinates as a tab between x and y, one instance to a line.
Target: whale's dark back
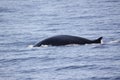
66	39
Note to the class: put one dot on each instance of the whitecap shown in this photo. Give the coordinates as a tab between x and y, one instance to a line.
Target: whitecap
30	46
114	41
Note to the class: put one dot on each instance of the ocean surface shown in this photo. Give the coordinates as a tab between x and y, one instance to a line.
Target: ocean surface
23	23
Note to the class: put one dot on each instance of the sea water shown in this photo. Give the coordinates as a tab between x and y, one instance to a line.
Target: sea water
23	23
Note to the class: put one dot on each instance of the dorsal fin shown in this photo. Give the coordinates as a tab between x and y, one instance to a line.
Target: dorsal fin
98	40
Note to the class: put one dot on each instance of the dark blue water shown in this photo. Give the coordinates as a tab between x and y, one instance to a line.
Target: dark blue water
25	22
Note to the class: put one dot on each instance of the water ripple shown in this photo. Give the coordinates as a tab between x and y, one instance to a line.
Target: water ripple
18	60
105	78
6	10
77	67
86	17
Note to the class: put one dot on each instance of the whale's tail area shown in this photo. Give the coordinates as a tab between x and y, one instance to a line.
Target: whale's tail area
99	40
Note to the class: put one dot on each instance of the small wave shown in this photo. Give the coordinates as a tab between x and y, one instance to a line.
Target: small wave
85	17
103	46
106	43
30	46
114	41
44	45
102	42
69	45
101	78
112	1
2	9
16	59
105	78
76	67
28	71
26	59
69	67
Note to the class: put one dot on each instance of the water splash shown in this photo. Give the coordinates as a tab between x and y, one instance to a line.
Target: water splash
45	46
30	46
114	41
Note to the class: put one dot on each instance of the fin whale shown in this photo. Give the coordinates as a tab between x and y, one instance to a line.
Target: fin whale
60	40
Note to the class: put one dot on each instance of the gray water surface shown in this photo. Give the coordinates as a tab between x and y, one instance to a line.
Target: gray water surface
26	22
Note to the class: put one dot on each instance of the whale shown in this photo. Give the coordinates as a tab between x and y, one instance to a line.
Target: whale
61	40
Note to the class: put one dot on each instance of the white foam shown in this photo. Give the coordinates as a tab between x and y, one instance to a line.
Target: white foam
72	45
115	41
44	45
30	46
102	42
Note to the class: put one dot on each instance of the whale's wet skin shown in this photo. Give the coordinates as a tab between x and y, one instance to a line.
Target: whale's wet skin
65	40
